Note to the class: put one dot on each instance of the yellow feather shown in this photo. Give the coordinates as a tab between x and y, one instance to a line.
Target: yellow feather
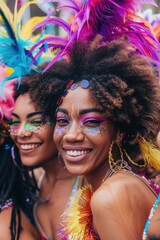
18	15
7	12
151	153
27	28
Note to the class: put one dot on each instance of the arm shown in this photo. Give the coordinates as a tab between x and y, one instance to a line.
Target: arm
5	218
28	232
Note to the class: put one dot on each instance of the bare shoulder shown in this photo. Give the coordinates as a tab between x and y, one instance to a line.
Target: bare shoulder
119	202
119	189
5	219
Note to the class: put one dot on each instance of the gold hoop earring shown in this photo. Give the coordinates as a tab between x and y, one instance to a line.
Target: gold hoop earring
115	166
134	163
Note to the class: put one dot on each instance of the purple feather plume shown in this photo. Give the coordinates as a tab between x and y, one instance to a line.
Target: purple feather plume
109	18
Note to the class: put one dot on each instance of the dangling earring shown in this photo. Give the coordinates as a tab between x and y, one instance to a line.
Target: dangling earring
134	163
21	168
115	166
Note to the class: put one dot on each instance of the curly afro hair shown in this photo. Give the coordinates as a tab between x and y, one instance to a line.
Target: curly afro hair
123	84
45	89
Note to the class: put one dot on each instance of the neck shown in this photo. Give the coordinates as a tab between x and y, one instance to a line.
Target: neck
55	170
95	178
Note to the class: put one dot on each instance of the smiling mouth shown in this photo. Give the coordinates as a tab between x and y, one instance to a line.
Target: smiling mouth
29	146
77	153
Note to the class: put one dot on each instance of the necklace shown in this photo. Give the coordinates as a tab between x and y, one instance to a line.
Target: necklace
110	171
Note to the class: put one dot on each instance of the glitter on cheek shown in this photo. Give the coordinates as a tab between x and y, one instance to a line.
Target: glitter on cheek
60	130
94	130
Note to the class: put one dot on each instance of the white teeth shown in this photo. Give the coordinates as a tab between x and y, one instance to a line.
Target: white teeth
29	146
76	153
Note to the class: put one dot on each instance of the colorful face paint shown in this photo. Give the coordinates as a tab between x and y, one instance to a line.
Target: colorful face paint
88	124
60	130
33	124
88	135
92	124
63	121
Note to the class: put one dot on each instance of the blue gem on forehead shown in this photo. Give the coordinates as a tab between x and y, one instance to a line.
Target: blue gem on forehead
84	84
74	86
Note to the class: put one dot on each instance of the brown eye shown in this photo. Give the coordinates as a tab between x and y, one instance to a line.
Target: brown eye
92	123
62	122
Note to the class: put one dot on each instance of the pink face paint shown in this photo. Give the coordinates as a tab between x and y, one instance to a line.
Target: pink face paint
88	123
92	124
89	116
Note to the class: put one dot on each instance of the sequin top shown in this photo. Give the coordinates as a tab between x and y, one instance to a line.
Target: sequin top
5	204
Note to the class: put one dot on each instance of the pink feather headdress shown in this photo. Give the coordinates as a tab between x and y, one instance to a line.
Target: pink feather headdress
109	18
7	101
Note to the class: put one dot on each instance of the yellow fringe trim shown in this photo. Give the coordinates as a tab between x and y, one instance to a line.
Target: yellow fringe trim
77	218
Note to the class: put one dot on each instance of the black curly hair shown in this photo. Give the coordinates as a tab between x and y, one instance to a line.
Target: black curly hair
45	89
16	185
123	83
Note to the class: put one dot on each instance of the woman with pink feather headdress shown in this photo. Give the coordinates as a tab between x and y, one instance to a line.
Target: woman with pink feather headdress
15	186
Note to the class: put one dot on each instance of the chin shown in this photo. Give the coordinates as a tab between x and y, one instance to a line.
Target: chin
28	163
75	170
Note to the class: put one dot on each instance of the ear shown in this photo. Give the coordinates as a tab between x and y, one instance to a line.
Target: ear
158	139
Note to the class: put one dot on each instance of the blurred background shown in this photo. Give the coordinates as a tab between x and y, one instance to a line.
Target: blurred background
42	9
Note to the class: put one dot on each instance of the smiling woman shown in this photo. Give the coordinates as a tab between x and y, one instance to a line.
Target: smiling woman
15	186
101	126
31	132
31	129
83	132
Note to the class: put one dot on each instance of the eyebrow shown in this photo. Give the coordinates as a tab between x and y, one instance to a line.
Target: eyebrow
84	111
62	110
28	115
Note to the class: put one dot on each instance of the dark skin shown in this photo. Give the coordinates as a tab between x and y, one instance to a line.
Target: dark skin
28	230
38	148
80	137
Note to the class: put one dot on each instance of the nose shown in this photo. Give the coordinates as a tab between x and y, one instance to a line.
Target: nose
74	133
22	132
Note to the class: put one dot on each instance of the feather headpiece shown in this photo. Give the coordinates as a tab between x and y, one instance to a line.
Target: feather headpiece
6	103
16	41
154	20
109	18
